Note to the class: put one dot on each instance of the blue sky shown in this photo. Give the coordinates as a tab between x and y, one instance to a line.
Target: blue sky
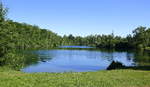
82	17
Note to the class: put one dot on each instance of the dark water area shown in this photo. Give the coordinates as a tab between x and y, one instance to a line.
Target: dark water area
82	59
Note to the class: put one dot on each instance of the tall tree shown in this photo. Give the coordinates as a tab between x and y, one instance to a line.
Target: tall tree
3	12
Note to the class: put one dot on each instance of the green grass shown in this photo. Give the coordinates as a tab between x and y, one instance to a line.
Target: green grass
113	78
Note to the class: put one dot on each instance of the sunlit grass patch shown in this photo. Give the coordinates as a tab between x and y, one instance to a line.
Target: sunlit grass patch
113	78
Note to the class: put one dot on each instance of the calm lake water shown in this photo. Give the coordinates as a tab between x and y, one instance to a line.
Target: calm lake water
83	59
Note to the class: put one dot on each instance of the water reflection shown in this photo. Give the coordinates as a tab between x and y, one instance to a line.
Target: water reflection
83	60
142	58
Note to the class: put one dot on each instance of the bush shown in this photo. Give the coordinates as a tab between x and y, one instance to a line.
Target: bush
115	65
147	48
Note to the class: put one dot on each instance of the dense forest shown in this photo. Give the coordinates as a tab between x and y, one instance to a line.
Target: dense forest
22	36
139	39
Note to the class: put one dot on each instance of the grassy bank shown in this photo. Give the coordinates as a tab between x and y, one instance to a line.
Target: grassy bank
113	78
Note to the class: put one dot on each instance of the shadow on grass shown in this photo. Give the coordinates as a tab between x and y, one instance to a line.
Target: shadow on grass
118	65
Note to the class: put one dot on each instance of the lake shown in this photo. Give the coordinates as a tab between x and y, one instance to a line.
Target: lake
82	59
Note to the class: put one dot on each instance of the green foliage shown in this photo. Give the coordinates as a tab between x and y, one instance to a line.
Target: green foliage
147	48
142	58
140	39
17	59
22	36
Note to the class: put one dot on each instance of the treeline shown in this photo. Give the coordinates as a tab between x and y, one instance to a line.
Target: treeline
139	39
23	36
